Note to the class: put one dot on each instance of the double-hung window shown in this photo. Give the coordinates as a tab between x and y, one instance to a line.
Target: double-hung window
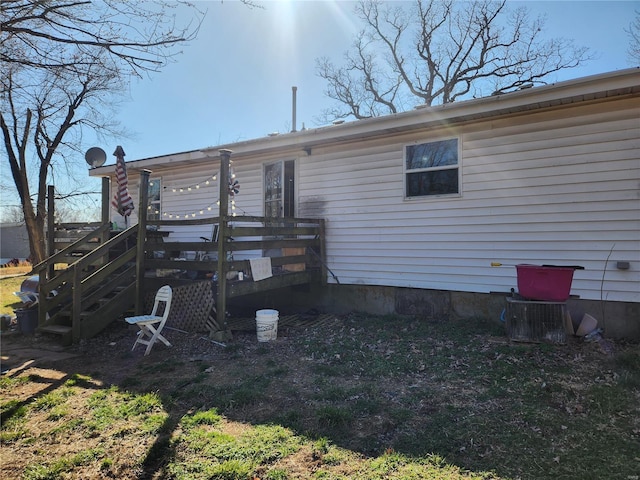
432	168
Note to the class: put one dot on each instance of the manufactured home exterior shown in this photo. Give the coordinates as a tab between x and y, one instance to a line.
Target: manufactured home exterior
545	175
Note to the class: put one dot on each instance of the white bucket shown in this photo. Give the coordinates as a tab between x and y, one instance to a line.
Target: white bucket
267	325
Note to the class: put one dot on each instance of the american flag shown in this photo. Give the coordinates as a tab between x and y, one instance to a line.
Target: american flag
122	201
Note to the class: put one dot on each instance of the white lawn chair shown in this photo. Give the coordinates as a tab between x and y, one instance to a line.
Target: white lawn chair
151	325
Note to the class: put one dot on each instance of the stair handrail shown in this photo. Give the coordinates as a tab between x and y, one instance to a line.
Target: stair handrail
73	274
60	257
104	248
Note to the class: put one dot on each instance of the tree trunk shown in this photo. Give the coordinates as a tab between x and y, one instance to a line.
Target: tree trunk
35	232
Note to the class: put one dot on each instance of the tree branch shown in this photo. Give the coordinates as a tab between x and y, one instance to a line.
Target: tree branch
460	48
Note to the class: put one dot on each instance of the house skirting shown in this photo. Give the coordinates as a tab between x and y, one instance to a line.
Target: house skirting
619	320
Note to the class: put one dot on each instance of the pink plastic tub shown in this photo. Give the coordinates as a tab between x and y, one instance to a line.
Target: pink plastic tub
545	283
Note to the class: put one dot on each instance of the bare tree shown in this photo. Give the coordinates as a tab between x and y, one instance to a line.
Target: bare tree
55	34
438	52
12	214
634	39
64	62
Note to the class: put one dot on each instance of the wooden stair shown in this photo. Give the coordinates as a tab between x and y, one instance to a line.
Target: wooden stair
64	332
82	300
95	318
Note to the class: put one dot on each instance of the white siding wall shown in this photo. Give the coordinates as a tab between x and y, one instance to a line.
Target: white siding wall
542	188
538	188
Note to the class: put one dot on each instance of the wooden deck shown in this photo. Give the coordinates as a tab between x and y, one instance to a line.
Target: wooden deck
114	276
294	247
111	273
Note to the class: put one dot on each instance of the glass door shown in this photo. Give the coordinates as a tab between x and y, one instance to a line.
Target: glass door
279	189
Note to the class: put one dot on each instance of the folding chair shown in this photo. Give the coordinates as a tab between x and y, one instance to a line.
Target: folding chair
151	325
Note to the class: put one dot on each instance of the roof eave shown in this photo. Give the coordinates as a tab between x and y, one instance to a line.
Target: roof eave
592	88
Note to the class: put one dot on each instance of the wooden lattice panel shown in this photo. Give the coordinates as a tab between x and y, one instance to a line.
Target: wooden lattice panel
190	306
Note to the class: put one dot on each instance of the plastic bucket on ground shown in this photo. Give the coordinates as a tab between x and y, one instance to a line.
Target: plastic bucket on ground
267	325
27	320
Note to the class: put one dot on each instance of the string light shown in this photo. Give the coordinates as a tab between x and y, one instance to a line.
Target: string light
195	186
197	211
207	181
234	189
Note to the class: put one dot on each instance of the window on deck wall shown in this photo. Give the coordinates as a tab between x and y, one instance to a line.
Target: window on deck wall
153	200
432	168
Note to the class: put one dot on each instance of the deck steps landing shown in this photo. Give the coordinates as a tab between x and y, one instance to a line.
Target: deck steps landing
63	331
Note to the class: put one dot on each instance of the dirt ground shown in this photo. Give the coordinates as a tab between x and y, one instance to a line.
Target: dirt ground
108	360
109	354
400	381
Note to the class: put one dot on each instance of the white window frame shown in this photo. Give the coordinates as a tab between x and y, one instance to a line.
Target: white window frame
406	172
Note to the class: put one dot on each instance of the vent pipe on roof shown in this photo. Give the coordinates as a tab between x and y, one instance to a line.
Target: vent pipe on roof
294	90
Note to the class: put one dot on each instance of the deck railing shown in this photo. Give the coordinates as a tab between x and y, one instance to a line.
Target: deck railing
115	267
294	246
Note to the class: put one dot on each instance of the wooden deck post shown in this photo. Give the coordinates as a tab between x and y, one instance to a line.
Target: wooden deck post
143	195
223	236
104	213
51	229
76	303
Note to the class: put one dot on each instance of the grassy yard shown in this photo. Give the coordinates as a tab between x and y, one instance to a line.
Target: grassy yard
7	299
357	397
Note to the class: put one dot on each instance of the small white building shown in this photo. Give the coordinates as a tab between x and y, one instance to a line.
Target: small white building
419	204
14	241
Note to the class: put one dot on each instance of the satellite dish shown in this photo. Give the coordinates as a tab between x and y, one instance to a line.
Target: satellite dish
95	157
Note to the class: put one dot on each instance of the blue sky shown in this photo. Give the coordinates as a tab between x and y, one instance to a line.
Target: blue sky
234	81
